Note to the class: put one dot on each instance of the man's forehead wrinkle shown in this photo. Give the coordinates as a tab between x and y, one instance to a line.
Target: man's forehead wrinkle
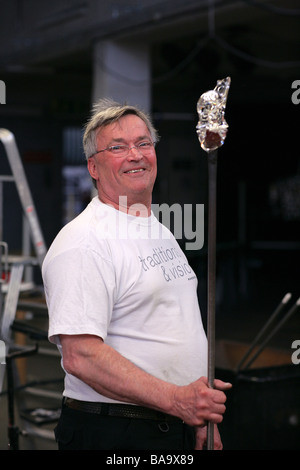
123	126
126	125
122	139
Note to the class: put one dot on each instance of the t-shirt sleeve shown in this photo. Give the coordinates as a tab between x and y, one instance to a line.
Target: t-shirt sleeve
80	290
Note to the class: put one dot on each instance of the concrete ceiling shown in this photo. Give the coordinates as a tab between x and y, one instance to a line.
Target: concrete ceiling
44	34
256	40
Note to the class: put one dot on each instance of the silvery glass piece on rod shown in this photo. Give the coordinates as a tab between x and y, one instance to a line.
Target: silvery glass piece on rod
212	127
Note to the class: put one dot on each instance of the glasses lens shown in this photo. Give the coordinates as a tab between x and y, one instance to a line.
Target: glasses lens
119	150
145	147
123	150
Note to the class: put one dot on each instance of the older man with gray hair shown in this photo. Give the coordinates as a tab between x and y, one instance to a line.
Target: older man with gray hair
128	326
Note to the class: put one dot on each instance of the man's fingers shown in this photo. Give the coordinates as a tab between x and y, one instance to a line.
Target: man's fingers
220	385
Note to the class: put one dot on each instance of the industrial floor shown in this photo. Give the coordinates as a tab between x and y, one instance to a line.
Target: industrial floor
236	328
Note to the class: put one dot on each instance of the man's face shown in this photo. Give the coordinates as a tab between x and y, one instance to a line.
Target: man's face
132	176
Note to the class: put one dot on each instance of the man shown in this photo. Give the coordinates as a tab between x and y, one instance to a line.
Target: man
123	307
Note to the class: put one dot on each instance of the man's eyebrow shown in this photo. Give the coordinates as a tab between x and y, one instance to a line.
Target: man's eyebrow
122	140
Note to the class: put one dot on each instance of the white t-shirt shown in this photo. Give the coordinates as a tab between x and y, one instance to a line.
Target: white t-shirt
126	280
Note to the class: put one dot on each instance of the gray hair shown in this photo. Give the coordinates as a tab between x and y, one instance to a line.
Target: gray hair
105	112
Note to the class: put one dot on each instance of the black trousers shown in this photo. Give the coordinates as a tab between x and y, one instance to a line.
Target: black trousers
77	430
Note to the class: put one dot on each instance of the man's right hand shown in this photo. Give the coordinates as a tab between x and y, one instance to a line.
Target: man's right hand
197	403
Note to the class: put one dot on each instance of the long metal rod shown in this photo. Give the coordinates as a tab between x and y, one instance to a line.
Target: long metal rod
211	278
272	318
292	310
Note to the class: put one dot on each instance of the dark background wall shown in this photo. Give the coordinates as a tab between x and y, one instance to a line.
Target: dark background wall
46	62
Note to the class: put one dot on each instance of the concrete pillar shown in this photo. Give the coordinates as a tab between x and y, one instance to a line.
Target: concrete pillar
122	72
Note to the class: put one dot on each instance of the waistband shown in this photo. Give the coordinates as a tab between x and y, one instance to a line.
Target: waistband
118	410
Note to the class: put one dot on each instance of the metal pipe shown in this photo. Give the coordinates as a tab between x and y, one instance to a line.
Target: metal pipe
277	328
274	315
211	277
212	130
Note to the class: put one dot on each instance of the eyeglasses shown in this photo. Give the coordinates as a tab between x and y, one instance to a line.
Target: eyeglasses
122	150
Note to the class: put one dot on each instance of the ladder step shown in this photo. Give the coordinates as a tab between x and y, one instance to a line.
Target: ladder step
42	393
24	287
36	307
26	260
31	331
40	416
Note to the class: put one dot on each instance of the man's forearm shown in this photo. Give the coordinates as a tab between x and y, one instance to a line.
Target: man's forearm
112	375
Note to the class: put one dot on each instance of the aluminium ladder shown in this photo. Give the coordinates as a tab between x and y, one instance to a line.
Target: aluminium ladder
19	177
16	266
30	215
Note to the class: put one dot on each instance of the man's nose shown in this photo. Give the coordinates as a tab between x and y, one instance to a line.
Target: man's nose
134	153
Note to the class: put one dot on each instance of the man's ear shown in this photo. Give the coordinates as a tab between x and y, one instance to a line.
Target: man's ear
91	165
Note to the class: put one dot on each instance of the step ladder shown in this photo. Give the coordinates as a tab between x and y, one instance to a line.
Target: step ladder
12	268
12	275
19	177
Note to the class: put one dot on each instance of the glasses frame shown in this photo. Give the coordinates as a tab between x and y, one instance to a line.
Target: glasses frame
138	147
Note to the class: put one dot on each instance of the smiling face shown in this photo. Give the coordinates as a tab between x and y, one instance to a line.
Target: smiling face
132	176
